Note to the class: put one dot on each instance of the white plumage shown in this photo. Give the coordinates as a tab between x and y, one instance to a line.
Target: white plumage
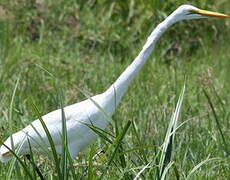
86	112
79	135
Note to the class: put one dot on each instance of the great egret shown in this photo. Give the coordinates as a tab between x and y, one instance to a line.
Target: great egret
79	135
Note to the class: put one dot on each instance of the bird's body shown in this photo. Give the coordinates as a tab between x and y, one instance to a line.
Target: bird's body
76	116
87	112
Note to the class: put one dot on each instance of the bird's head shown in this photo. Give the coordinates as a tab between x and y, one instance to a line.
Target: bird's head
191	12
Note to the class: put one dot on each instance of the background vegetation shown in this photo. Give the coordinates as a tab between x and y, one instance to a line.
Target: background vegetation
86	44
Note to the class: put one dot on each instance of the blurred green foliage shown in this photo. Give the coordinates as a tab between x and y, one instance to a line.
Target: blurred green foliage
98	23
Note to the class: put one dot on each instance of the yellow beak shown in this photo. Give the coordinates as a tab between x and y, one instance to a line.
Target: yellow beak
211	14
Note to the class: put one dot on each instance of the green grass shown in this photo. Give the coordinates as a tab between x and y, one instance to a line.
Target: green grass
72	45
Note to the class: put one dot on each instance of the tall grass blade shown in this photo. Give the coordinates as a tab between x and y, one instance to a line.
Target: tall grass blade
30	157
143	153
198	166
166	169
167	148
141	171
12	101
19	160
122	156
64	158
217	121
14	163
100	132
223	106
71	166
90	164
51	143
114	147
117	142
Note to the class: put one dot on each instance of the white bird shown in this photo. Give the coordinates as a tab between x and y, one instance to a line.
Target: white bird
79	135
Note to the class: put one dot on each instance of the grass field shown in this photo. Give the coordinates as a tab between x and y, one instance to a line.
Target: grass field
66	45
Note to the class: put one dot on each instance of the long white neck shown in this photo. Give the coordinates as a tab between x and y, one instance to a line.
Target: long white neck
116	91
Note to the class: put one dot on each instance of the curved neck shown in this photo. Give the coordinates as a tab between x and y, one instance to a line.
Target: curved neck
119	87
